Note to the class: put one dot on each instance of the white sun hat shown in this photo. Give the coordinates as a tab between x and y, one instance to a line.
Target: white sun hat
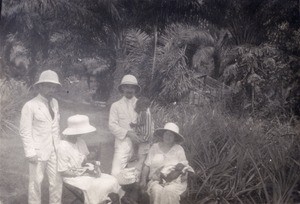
78	124
169	127
48	76
129	80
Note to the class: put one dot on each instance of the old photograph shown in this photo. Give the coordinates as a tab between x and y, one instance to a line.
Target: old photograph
149	101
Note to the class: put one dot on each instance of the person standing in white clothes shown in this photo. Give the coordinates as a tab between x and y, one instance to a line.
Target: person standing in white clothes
39	131
121	115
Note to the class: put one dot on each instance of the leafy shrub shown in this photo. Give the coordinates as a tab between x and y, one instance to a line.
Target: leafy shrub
13	94
175	75
237	160
261	80
165	71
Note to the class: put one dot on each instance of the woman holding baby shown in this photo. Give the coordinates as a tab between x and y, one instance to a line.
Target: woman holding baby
163	159
75	167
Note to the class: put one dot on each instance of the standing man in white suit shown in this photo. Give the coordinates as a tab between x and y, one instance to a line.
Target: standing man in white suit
121	114
39	130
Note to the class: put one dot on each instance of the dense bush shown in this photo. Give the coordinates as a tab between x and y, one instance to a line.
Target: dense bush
261	80
13	94
260	76
236	160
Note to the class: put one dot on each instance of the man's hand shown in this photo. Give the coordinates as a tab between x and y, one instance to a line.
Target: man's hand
33	159
134	137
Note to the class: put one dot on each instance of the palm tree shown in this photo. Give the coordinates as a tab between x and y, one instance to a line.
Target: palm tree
34	22
249	21
181	55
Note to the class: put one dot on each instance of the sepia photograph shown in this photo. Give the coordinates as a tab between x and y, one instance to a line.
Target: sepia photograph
149	101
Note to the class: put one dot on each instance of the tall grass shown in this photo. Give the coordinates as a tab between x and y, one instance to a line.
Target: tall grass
237	160
12	96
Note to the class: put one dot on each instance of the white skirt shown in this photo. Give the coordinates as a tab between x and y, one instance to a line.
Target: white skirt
95	190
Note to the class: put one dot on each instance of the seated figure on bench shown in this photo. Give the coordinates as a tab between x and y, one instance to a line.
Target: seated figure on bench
77	170
166	167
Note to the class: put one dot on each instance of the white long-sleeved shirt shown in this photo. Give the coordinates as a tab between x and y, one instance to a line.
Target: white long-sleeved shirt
38	131
121	114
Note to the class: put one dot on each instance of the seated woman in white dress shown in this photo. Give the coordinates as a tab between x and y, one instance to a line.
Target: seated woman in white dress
72	153
163	167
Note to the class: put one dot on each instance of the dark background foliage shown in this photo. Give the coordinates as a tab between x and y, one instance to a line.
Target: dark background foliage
226	71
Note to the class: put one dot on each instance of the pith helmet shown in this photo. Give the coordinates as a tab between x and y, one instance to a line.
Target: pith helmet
129	80
48	76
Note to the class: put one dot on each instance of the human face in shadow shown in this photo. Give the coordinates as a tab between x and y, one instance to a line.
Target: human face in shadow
169	138
72	138
47	89
129	90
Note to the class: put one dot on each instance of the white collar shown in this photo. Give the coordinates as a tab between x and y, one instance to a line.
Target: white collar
131	101
42	98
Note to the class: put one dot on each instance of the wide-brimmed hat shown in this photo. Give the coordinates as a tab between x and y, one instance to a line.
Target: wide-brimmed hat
78	124
48	76
169	127
129	80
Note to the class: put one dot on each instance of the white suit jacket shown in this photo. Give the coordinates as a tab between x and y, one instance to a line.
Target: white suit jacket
39	132
121	114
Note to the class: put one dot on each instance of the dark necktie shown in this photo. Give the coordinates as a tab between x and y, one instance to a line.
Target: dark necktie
50	109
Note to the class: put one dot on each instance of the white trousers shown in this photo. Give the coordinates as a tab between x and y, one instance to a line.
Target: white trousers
120	161
123	153
36	176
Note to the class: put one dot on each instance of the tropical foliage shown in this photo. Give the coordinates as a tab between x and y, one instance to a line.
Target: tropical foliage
13	94
236	160
167	44
246	151
260	78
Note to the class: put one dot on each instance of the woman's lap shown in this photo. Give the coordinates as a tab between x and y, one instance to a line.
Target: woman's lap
172	190
86	182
